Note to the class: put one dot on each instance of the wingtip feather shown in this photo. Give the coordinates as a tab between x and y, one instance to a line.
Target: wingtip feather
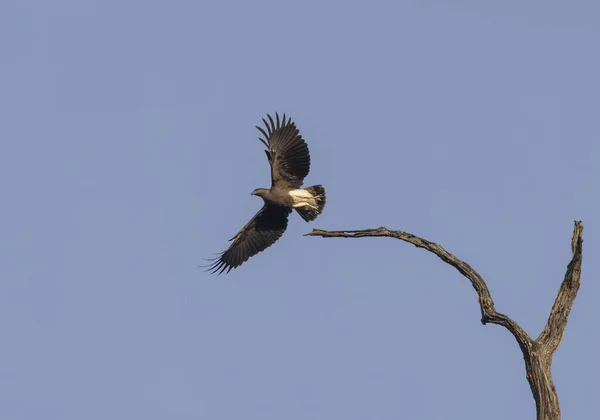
272	123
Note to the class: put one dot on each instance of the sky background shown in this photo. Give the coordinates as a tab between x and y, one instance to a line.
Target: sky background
128	154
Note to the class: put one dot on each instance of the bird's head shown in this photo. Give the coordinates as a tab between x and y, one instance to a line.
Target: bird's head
261	192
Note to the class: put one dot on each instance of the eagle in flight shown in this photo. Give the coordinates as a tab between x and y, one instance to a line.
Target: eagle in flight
289	158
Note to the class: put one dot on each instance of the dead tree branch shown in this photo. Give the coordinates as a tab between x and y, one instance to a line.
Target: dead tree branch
536	353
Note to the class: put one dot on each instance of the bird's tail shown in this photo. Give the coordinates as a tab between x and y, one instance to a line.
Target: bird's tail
316	203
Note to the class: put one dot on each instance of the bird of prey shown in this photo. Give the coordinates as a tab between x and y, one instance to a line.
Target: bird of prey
289	158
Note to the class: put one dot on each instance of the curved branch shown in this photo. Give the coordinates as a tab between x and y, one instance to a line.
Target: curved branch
537	354
488	311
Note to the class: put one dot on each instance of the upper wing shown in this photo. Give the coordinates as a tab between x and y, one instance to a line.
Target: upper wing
287	152
262	231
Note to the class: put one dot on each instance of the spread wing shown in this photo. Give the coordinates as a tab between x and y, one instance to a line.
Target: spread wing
287	152
262	231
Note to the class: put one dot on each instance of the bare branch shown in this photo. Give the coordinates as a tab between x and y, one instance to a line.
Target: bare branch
488	311
537	354
554	330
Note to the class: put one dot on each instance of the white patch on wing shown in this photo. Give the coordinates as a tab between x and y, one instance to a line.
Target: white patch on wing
301	193
302	198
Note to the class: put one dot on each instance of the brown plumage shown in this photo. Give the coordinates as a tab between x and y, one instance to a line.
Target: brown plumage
289	158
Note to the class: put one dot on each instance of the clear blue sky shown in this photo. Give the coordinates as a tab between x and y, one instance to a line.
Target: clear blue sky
129	152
